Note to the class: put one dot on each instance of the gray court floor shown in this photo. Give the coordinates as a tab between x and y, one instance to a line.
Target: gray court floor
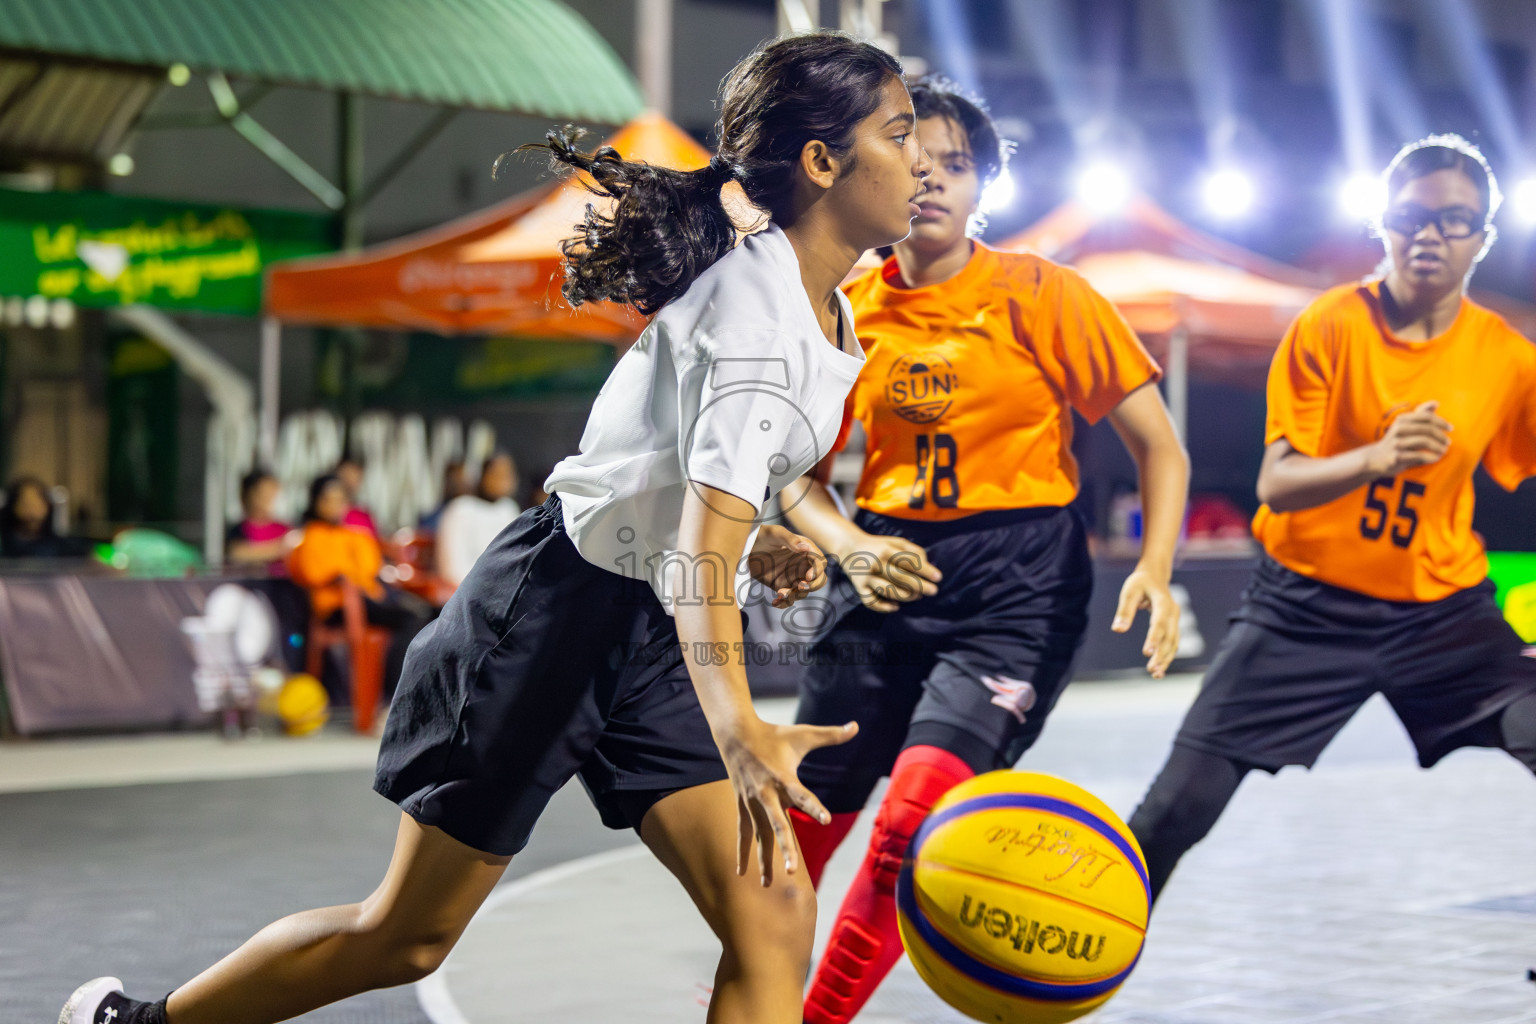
153	883
1366	890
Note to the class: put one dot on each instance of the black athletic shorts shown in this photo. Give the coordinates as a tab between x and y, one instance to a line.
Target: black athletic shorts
1302	656
541	666
1013	606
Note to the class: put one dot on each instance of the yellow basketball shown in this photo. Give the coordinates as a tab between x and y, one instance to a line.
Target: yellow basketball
1023	899
303	705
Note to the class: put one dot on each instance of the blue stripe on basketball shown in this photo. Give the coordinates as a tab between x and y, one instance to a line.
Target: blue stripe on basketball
970	966
1028	801
986	974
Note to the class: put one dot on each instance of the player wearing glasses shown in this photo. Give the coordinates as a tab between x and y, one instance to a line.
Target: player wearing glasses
1383	398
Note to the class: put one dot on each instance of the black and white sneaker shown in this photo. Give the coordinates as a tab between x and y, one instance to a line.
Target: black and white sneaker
101	1001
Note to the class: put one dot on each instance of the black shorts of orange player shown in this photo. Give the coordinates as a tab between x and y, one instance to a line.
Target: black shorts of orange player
1299	661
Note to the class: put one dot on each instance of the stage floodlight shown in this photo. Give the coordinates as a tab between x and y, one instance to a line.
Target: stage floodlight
1362	197
1103	187
1229	193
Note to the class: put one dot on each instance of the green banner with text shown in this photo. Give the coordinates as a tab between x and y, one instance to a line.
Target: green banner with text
97	249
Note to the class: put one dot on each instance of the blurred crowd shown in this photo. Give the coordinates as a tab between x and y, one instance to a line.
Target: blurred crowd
307	568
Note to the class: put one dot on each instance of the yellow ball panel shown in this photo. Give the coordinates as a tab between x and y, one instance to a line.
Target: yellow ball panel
1044	851
1023	932
1040	784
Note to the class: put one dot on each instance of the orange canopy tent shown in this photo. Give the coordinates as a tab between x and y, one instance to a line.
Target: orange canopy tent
494	272
1201	304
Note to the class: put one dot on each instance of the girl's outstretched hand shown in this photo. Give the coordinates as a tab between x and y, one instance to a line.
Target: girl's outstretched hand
762	760
1144	590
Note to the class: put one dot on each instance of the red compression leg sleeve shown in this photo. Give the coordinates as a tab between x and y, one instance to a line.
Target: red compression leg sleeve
817	841
865	943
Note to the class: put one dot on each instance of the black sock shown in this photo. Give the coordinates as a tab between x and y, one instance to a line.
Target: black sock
119	1009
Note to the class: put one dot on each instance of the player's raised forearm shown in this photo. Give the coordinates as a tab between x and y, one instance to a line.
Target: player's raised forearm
710	545
1290	481
1162	466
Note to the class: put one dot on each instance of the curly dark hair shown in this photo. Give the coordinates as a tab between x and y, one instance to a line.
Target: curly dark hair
666	226
937	96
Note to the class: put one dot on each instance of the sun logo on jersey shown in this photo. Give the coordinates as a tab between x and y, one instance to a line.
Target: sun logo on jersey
920	388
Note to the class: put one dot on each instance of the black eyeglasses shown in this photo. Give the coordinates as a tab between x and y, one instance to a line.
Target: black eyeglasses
1452	221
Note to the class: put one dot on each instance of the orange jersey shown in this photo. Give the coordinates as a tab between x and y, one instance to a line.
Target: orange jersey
328	551
968	387
1338	380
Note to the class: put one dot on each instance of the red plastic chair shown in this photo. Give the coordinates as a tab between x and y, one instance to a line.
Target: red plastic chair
366	647
413	555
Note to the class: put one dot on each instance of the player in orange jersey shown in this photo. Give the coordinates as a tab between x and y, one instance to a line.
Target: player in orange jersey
973	573
1383	399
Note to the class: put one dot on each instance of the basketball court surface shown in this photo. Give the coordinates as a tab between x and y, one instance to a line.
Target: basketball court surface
1365	891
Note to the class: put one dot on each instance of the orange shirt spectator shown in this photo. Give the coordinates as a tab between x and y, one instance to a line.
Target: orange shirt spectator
330	549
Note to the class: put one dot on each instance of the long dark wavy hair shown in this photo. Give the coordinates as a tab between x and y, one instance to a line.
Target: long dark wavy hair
666	227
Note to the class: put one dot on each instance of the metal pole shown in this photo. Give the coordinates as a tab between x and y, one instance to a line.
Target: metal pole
653	54
349	123
271	363
1177	380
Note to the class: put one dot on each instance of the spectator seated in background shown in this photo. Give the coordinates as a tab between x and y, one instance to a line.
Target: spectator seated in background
330	551
260	540
472	521
454	485
26	524
350	472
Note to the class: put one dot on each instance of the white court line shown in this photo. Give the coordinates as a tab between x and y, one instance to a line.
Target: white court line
432	991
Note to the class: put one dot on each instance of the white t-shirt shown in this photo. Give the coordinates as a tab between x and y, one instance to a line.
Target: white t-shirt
468	525
732	385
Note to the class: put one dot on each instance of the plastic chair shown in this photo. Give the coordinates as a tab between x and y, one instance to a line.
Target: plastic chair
413	553
366	647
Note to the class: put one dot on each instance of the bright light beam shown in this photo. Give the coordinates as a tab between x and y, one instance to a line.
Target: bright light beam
949	29
1229	193
1103	187
1465	42
1362	197
1337	23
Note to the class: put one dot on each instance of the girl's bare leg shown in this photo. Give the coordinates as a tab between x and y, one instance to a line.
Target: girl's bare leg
399	934
766	933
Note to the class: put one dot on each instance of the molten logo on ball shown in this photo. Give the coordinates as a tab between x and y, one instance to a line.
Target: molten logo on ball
1026	934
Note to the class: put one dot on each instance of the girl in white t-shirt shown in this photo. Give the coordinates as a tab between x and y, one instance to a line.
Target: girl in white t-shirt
471	521
601	632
